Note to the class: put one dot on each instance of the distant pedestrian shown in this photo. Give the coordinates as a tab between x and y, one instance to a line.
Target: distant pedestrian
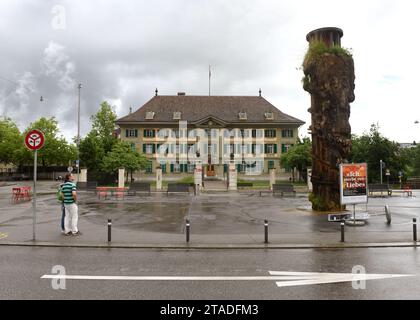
63	209
69	194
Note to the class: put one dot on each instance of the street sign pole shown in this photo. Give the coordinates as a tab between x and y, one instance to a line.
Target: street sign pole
34	195
34	140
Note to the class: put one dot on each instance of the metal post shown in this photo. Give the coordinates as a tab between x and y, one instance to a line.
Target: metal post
188	230
342	231
109	230
78	134
34	196
415	229
380	164
265	231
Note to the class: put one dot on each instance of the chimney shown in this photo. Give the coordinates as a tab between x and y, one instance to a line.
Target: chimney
181	93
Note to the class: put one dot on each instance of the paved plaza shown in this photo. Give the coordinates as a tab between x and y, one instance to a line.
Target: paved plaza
217	219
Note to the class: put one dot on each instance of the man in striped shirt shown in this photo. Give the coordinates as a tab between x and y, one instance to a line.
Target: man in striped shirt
68	191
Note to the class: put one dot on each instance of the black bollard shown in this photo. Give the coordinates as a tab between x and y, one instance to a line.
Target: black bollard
342	231
109	230
187	231
415	229
265	231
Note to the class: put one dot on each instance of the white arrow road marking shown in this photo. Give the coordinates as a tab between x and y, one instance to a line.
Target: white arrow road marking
320	278
284	279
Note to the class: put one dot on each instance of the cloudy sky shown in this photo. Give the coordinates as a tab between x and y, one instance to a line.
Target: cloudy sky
122	50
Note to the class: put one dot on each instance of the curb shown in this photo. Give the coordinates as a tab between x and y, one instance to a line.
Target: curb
212	246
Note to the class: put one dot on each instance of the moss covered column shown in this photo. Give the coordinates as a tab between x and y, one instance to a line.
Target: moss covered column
329	78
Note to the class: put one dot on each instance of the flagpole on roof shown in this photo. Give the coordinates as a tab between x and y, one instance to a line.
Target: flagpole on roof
209	79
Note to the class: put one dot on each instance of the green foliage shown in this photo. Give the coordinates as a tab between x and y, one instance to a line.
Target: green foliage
99	141
11	142
412	156
103	125
56	150
372	147
123	156
298	156
318	48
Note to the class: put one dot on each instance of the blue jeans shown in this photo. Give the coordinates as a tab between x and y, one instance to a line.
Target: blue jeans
63	214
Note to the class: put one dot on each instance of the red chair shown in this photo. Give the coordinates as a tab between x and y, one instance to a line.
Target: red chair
119	193
16	194
102	192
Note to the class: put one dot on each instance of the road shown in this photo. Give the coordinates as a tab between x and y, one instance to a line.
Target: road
21	269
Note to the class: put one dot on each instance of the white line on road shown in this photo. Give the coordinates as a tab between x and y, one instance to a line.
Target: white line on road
282	278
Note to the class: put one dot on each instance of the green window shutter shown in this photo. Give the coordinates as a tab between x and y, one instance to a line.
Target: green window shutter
275	148
136	133
172	167
153	133
153	148
238	168
144	133
283	148
144	148
265	148
126	133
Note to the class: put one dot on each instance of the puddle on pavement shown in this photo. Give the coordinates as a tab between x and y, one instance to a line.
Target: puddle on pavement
153	217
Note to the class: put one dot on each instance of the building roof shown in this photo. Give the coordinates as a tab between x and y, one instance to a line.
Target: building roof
196	108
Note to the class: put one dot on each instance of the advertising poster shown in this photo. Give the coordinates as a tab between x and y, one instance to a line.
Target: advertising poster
353	183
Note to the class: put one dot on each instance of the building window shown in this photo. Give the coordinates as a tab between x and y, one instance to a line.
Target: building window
287	133
177	115
148	148
191	168
150	115
133	146
131	133
257	133
149	167
285	147
270	133
149	133
269	116
242	116
270	164
270	148
175	133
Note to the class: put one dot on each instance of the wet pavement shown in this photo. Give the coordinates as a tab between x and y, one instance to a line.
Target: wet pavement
216	218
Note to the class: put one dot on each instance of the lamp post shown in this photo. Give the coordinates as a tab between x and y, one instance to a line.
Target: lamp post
78	132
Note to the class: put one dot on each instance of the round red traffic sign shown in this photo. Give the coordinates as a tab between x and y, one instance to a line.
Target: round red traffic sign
34	140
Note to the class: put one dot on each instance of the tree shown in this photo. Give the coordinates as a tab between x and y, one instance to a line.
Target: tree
11	142
298	156
99	141
91	154
56	150
103	125
123	155
372	147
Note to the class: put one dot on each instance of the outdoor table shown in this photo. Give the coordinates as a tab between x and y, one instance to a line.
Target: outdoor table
21	193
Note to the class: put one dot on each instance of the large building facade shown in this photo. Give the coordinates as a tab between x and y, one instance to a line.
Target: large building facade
174	132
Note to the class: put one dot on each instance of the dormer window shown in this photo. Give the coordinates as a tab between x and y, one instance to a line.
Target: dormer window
269	116
177	115
150	115
242	116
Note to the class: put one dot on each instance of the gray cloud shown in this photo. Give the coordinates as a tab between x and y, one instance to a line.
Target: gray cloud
122	50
